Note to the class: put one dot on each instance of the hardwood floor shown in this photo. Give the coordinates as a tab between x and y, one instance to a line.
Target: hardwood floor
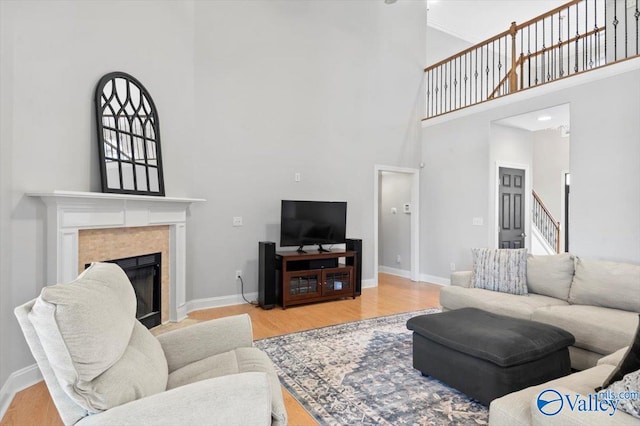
33	406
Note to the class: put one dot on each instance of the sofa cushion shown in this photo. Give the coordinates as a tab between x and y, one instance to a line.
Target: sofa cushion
141	371
500	270
607	284
515	409
85	328
85	325
240	360
550	275
600	330
517	306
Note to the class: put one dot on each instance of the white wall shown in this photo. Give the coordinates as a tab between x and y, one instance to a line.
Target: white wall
605	174
248	93
394	234
323	88
551	159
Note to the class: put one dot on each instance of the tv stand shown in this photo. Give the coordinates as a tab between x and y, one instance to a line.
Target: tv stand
315	277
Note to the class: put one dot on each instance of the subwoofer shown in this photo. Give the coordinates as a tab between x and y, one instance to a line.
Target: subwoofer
356	245
267	285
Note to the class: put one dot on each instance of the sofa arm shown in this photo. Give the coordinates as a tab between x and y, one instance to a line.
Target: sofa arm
461	278
238	399
614	358
568	417
199	341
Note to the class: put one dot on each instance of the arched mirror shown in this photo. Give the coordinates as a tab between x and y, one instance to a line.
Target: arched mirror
128	137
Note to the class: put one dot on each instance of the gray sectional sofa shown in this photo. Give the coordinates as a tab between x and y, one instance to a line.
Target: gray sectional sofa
596	301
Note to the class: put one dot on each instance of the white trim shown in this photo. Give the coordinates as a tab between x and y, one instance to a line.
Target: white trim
395	271
537	235
432	279
527	202
17	381
218	302
534	92
370	283
68	212
415	217
563	207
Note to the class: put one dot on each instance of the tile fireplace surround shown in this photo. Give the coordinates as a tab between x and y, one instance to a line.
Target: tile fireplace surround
69	212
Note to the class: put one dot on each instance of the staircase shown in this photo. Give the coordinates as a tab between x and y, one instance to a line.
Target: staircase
577	37
545	229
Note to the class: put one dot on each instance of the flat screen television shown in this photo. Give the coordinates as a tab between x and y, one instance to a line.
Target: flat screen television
312	223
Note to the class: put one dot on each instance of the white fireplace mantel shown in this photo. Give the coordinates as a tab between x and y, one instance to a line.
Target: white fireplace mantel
69	211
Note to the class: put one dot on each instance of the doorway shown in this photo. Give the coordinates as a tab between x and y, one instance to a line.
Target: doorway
511	212
396	219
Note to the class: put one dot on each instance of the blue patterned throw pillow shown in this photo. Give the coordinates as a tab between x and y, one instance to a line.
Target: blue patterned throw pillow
503	270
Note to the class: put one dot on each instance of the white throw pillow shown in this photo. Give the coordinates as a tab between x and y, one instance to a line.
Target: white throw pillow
627	386
503	270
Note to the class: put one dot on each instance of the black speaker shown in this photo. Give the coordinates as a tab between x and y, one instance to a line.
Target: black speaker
267	286
356	245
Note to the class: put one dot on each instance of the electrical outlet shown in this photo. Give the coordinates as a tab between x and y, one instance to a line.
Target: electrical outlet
398	259
238	273
452	266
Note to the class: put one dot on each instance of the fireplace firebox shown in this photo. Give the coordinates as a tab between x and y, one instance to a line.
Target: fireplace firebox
144	274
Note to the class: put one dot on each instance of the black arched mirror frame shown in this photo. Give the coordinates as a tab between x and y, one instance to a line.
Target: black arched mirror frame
128	137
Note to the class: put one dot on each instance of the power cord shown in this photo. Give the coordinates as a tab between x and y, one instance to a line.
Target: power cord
242	291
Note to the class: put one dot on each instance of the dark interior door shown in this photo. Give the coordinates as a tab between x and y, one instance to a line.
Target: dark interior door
511	208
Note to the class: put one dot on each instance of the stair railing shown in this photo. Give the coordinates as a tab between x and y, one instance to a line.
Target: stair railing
546	224
579	36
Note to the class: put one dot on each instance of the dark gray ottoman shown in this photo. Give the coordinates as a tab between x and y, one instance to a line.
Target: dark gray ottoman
486	355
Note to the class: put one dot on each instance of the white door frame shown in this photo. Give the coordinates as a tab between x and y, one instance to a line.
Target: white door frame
415	217
527	202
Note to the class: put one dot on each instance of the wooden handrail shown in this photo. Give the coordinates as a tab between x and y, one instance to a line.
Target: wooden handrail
547	14
470	49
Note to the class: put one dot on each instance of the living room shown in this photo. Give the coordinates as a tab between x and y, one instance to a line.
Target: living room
251	93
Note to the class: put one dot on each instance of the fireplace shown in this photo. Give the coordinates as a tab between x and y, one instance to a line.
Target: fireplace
144	274
70	214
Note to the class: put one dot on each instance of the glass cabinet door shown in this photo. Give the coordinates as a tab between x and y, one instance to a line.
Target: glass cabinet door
337	281
303	284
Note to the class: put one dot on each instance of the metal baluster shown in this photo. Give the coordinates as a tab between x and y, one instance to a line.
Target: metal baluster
560	44
577	67
584	41
626	36
529	55
465	78
487	73
615	31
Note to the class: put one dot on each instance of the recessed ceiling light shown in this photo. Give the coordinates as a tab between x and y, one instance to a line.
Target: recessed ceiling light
390	1
544	118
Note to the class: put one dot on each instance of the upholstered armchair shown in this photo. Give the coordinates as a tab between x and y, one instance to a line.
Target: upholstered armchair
103	367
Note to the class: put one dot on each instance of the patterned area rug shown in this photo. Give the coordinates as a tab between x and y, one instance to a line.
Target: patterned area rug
361	373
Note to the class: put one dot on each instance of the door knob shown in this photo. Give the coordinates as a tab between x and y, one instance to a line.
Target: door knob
523	235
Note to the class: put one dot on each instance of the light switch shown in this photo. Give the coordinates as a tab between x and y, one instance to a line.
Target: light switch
478	221
297	177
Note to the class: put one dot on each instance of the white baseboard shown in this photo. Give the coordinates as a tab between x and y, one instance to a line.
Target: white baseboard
395	271
17	381
433	279
370	283
218	302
